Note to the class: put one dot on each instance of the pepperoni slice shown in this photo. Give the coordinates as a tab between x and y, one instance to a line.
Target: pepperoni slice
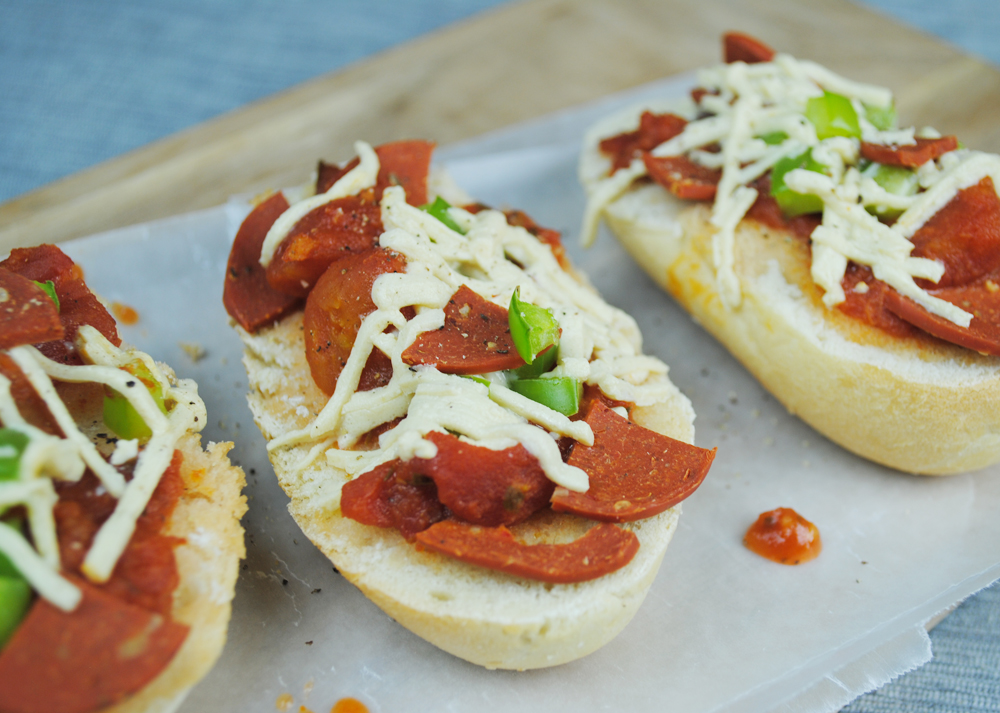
27	314
247	296
869	305
964	235
324	235
981	299
391	495
475	338
739	47
84	660
683	177
77	304
654	129
910	155
32	406
146	573
550	237
634	472
334	312
401	163
483	486
604	549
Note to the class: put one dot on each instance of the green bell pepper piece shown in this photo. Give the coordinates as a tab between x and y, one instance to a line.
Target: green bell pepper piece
790	202
439	209
121	417
898	180
12	445
881	119
15	598
559	393
531	327
833	115
50	290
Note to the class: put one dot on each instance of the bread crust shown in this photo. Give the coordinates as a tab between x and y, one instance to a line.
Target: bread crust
207	518
918	405
488	618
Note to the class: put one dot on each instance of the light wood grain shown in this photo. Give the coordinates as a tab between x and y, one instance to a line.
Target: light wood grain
521	61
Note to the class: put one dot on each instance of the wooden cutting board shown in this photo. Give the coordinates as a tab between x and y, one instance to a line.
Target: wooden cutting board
520	61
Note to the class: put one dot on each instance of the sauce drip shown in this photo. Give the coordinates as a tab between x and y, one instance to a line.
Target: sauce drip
349	705
124	314
784	536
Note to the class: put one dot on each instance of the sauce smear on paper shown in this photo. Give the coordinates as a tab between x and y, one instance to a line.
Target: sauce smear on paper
784	536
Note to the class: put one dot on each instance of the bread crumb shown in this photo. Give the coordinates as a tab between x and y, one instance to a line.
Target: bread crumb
195	352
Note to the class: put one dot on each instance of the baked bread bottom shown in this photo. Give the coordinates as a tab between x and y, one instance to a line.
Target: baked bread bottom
488	618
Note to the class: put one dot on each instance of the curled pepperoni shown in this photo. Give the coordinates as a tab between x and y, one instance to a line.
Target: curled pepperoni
550	237
77	304
683	177
739	47
483	486
27	314
964	235
869	303
654	129
32	406
146	573
392	495
981	299
910	155
334	312
326	234
475	338
634	472
84	660
246	294
401	163
604	549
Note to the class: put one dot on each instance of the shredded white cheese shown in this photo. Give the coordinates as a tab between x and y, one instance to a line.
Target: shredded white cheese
48	458
750	101
600	345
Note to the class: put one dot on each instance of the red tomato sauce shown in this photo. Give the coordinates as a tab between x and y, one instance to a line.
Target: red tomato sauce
784	536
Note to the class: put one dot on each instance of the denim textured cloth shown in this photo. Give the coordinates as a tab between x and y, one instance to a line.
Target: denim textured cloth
85	81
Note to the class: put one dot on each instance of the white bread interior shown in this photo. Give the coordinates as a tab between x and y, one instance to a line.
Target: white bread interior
916	405
485	617
207	517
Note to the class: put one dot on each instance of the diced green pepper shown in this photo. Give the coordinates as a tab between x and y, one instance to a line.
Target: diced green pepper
478	379
790	202
773	138
439	209
15	595
559	393
12	445
50	290
542	364
833	115
15	598
531	327
897	180
121	417
881	119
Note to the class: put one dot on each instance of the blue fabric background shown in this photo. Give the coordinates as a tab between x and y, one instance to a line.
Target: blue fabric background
84	81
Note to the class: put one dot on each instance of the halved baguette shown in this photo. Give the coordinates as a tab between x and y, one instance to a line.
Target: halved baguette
207	518
917	405
489	618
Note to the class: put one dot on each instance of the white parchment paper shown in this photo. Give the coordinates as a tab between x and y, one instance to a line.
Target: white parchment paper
721	629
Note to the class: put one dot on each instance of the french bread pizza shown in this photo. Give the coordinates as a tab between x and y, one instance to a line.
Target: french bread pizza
853	267
470	434
119	535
